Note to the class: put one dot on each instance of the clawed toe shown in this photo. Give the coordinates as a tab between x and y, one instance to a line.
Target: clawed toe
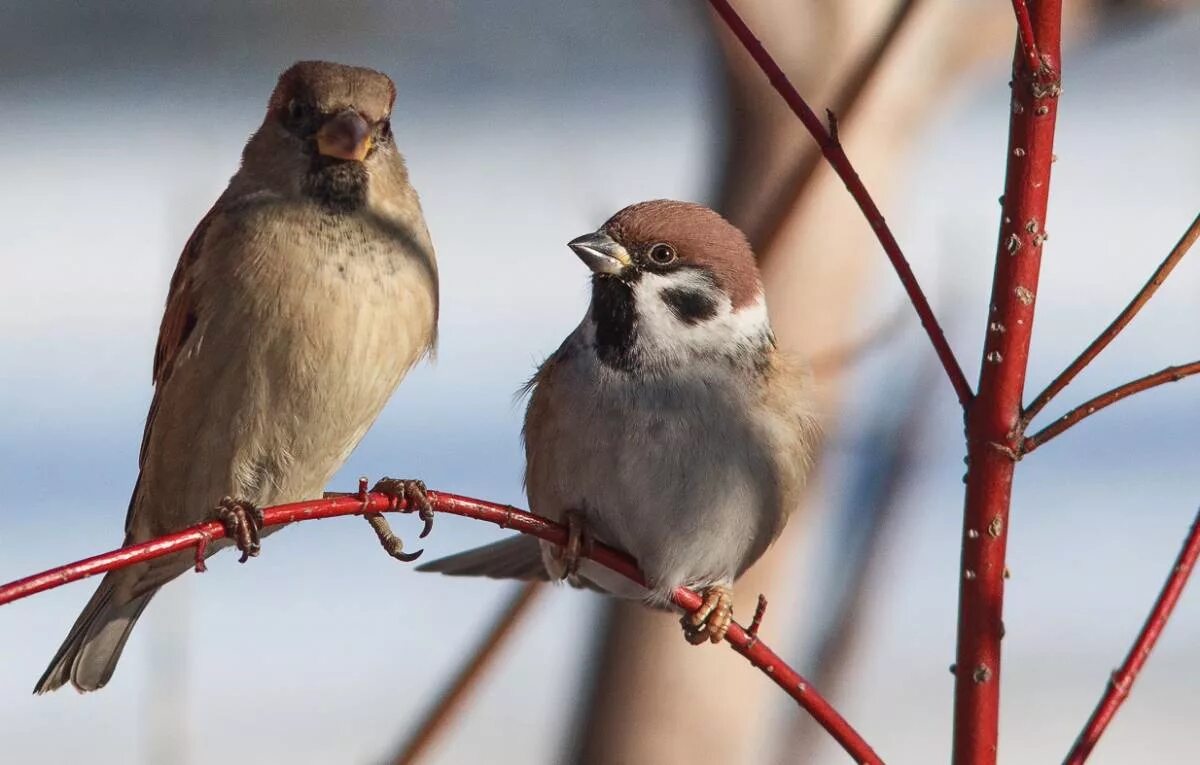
711	620
411	492
243	524
579	542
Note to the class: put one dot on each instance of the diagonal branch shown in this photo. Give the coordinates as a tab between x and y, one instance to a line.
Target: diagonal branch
1122	680
1025	36
452	698
200	536
1088	408
1109	334
831	148
845	104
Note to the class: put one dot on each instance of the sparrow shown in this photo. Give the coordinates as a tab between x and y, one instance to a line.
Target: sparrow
668	424
299	303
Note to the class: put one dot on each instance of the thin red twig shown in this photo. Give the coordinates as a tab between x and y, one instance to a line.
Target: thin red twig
845	104
504	516
452	698
1122	680
994	418
831	148
1025	36
1109	334
1088	408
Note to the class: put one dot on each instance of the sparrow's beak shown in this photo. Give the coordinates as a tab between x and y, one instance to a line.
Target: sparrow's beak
601	253
346	135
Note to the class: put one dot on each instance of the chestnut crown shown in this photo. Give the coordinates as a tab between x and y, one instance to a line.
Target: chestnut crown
663	235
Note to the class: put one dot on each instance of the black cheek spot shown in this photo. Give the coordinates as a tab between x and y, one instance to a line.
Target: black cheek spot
690	306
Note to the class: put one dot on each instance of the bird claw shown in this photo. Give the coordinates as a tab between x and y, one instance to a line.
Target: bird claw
411	492
711	620
243	523
579	542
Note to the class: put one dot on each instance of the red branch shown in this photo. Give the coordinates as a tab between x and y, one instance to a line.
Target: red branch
831	148
846	102
196	537
1112	330
994	418
1088	408
1122	680
1025	36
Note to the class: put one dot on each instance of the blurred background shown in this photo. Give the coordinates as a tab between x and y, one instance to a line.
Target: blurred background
525	124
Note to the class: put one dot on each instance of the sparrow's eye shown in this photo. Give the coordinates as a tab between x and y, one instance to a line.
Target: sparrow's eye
297	110
662	254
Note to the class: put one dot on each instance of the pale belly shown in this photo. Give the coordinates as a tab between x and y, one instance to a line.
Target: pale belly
678	476
282	381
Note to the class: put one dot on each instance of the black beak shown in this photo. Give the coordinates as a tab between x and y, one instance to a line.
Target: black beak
601	253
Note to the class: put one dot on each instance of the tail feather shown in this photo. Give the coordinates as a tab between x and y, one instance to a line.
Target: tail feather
89	655
517	558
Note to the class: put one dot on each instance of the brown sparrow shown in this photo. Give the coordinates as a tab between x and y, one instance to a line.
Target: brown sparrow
668	424
299	303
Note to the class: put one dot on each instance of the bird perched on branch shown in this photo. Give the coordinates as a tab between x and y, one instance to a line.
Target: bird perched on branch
668	424
298	304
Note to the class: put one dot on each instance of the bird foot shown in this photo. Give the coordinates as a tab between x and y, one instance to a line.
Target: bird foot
243	523
712	619
411	492
579	541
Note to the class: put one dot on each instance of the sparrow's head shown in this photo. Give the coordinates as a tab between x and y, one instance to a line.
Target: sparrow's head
673	282
326	133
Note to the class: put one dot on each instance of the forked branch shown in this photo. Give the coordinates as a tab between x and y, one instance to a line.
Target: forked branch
1025	36
746	642
1088	408
1112	330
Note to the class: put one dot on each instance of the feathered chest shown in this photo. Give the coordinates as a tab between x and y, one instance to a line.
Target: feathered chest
321	289
646	433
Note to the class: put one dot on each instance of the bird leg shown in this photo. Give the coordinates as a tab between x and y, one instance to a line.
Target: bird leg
579	541
411	492
243	522
711	620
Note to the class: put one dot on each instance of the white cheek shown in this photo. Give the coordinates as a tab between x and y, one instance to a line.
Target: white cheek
662	332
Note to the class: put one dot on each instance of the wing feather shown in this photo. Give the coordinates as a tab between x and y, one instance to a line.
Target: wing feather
178	322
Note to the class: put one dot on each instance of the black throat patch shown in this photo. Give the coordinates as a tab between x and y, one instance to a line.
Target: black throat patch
337	185
615	319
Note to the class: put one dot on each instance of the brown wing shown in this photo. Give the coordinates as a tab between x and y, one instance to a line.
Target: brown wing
541	418
179	319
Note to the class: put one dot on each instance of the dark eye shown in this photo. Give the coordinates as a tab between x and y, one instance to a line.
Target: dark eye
662	254
297	110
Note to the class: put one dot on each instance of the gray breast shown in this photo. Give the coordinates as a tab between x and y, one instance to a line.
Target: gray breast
672	469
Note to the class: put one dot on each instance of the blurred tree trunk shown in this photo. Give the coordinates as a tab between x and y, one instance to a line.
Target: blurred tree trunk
655	699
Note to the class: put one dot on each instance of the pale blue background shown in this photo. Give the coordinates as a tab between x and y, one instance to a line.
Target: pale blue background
525	124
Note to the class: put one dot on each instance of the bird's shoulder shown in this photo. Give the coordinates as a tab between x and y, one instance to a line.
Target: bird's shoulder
549	390
787	409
